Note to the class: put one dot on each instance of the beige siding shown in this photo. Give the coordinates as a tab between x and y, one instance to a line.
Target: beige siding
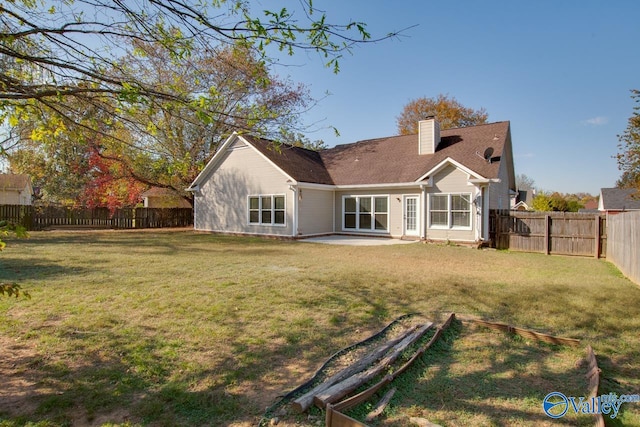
315	209
499	191
221	204
499	197
14	197
451	180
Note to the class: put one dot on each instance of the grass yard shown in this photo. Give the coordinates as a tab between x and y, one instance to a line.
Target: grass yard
183	328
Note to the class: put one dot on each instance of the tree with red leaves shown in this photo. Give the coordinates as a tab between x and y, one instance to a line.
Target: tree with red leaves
108	185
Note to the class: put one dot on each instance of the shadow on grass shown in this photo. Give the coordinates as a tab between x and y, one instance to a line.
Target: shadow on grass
119	374
136	380
18	269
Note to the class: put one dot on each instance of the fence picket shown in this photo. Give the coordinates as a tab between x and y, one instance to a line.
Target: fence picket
557	233
41	217
623	249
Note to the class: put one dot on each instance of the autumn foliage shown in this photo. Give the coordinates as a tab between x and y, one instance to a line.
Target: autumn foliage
629	155
108	185
448	111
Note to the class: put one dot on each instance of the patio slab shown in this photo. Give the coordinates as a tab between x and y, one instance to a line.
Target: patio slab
356	240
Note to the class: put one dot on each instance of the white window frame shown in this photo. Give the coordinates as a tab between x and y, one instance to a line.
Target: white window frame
450	212
372	213
272	210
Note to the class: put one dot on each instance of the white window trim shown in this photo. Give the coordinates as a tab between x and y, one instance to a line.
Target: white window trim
273	210
373	213
449	225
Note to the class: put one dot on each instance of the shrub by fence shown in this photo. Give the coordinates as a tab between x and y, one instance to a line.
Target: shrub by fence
43	217
623	247
557	233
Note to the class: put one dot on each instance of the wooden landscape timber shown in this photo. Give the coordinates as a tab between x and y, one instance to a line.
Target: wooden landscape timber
381	405
344	387
593	376
338	419
305	401
366	394
334	416
526	333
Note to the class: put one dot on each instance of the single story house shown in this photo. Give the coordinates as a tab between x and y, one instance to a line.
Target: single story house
434	185
15	189
157	197
616	200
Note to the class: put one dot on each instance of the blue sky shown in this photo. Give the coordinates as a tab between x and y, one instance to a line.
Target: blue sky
560	71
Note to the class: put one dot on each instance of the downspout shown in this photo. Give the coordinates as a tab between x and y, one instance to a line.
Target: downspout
479	207
485	208
333	213
294	232
423	213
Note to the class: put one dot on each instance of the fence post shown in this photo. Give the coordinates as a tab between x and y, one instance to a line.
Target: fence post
547	233
597	237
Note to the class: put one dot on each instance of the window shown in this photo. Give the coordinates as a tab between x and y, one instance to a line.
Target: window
439	210
267	210
450	210
366	213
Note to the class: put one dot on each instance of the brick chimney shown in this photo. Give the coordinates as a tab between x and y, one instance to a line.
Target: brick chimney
428	135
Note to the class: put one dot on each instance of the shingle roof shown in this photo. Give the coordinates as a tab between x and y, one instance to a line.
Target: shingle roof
14	182
301	164
393	159
620	199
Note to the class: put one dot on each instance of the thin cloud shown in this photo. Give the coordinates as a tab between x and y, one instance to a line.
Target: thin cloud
596	121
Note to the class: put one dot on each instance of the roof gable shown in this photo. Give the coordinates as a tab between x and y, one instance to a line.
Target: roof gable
235	141
619	199
14	182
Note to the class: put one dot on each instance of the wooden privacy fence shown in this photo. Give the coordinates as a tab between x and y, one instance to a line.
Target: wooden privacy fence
42	217
623	243
556	233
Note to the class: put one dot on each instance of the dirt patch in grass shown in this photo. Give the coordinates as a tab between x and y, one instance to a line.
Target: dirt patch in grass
19	386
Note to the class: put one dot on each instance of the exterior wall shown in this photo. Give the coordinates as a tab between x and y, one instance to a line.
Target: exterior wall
15	197
499	191
451	180
221	204
315	208
395	207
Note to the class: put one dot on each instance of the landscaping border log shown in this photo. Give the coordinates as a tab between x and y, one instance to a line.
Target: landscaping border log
341	389
381	405
366	394
305	401
526	333
593	376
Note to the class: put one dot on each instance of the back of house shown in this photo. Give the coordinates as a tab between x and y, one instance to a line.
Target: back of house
434	185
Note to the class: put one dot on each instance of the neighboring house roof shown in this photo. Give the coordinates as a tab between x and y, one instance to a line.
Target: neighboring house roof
391	160
619	199
520	206
159	192
591	205
14	182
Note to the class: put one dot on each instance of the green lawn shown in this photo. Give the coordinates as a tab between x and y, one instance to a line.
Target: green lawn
183	328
